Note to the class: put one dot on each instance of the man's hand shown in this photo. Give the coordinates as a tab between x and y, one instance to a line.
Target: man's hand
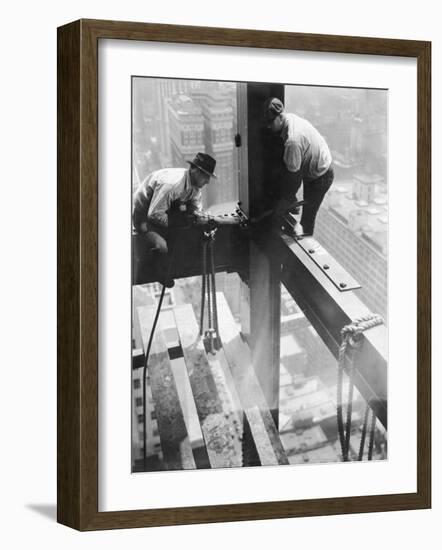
143	227
204	220
282	206
200	218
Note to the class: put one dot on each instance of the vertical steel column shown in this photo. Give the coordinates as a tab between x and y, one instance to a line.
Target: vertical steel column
264	281
265	323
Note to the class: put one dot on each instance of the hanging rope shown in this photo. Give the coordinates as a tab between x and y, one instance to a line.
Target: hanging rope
364	433
203	284
372	430
208	293
351	340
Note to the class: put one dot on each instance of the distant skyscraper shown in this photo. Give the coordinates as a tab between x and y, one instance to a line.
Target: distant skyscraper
199	117
143	296
215	100
186	129
166	89
352	225
145	150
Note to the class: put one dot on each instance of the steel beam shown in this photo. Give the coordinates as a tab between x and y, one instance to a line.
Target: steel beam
329	309
264	268
231	250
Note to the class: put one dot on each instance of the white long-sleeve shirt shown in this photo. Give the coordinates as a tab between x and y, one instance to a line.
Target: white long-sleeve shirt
159	190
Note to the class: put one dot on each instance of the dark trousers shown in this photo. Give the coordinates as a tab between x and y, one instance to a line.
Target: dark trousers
150	254
314	193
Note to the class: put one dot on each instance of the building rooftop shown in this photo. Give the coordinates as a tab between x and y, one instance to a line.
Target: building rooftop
368	220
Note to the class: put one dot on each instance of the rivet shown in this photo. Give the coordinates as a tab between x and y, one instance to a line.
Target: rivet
311	251
325	266
342	285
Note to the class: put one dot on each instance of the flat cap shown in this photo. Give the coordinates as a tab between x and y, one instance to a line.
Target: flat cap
272	108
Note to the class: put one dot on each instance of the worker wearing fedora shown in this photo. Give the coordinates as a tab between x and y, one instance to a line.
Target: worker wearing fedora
305	159
155	199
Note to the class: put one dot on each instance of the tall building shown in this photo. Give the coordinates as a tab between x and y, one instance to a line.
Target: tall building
219	132
142	296
352	225
174	119
186	128
153	443
145	150
166	89
201	117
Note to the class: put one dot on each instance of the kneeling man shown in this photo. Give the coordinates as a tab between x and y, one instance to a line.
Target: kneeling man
161	192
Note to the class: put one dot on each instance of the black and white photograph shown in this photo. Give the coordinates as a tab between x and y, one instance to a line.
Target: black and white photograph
259	222
228	308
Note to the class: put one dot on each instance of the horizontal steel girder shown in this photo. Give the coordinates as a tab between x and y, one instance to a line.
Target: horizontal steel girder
328	310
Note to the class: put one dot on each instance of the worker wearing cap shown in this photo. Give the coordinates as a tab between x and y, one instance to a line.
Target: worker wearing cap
153	201
306	159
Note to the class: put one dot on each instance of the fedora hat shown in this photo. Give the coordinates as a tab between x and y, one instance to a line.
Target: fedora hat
205	163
